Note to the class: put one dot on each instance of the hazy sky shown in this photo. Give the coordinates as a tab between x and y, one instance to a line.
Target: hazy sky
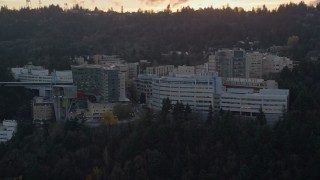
133	5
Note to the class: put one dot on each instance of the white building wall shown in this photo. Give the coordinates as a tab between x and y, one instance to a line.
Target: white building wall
122	88
260	64
163	70
107	59
149	70
65	76
272	101
133	70
32	73
186	70
254	64
203	68
144	85
197	91
95	112
41	72
212	64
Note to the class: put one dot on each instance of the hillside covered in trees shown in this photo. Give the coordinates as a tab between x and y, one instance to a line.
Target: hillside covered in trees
168	146
49	36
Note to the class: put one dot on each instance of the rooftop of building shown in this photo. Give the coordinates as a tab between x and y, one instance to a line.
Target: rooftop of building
244	80
94	66
8	123
190	77
262	92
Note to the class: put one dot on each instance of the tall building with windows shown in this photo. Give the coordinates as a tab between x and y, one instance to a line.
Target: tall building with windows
255	64
105	83
228	63
133	69
196	90
212	63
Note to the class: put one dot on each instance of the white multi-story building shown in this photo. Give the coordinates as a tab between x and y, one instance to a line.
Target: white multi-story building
31	73
255	64
106	59
185	70
196	90
38	74
79	60
133	69
7	130
63	76
144	86
261	64
212	63
149	70
160	70
275	64
202	68
247	102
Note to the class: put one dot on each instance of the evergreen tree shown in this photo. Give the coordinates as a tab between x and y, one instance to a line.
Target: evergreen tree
187	112
178	111
166	107
143	98
210	116
261	118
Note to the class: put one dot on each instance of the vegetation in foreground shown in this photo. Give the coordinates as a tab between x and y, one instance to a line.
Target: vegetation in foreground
168	146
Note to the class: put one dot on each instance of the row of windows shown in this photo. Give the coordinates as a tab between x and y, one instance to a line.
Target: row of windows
184	82
251	108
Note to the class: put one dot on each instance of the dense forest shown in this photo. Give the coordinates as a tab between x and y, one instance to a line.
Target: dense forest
49	36
173	143
168	145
